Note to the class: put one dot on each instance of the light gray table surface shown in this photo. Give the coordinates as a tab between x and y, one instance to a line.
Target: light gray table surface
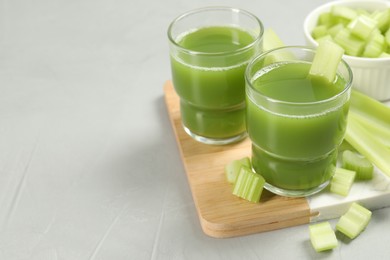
89	165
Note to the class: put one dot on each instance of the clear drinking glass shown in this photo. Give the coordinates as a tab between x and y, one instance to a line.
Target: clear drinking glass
295	122
210	49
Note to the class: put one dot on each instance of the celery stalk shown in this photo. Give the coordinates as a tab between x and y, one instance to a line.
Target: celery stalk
367	145
271	40
322	236
368	129
372	110
377	130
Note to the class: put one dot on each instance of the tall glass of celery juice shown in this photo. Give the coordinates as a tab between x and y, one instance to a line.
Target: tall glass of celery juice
210	49
295	122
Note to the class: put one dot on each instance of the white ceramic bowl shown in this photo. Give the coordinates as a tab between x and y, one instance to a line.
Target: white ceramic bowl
370	75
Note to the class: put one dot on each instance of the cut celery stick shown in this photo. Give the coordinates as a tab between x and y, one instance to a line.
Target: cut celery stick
387	37
249	185
271	40
322	236
362	26
382	17
352	161
384	55
325	38
344	12
325	19
332	31
360	138
354	221
375	46
319	31
351	44
326	60
342	181
233	168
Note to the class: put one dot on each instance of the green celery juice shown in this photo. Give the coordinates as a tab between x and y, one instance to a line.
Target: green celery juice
294	147
212	87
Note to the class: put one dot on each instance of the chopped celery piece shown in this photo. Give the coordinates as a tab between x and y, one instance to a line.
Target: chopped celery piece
332	31
249	185
271	40
384	55
343	12
326	60
342	181
387	37
375	46
351	44
352	161
325	38
354	221
319	31
325	19
233	168
322	236
359	32
362	26
382	17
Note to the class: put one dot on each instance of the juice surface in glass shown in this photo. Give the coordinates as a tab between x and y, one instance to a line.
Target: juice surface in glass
212	87
295	146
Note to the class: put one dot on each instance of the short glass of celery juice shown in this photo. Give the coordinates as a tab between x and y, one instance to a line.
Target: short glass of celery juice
295	122
210	49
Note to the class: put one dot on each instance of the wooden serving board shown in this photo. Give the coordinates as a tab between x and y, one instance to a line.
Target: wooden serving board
224	215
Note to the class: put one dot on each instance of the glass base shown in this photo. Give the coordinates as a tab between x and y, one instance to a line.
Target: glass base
295	193
215	141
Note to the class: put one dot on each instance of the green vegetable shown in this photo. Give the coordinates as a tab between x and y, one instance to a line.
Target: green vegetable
368	129
271	40
354	221
342	181
359	32
352	161
322	236
249	185
326	60
362	26
233	168
351	44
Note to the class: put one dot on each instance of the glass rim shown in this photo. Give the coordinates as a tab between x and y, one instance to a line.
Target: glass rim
282	102
215	8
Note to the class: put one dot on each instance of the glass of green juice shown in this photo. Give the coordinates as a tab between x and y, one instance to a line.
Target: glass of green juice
295	122
210	49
